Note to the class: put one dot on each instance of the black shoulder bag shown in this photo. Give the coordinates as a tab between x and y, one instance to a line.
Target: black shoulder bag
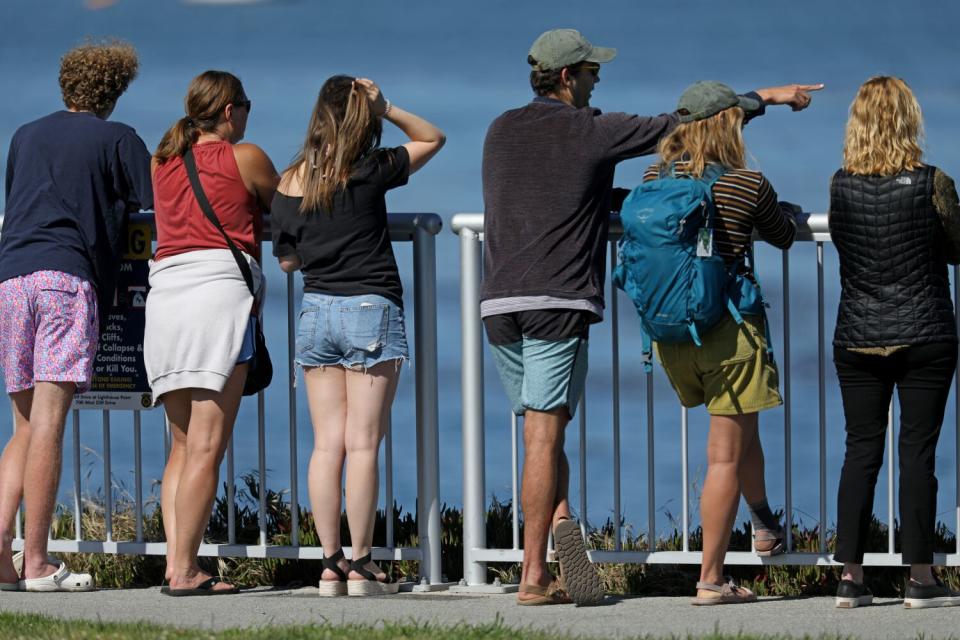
260	372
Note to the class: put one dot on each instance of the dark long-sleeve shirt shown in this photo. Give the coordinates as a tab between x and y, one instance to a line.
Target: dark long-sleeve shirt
71	180
548	172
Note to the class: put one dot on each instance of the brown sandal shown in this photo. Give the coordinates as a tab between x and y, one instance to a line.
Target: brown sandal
551	594
769	542
729	593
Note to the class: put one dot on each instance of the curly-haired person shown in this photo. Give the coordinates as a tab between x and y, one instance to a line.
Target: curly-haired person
72	178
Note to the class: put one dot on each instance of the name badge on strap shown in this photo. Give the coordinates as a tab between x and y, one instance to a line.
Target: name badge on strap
705	243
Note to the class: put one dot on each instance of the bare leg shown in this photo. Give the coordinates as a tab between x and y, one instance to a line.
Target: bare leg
544	465
12	464
212	416
729	437
369	397
561	499
327	397
51	402
177	405
751	473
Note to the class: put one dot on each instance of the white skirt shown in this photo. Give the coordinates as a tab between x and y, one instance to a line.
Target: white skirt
197	312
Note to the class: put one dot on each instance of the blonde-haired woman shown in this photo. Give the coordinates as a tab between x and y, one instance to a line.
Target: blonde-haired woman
330	222
896	224
731	373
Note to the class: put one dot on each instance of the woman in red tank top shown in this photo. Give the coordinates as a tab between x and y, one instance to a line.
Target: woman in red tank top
199	330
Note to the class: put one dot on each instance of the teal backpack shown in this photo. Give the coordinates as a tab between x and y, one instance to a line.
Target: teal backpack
668	265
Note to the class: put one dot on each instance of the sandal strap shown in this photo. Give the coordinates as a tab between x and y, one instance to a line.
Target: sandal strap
709	586
534	589
331	564
359	566
768	535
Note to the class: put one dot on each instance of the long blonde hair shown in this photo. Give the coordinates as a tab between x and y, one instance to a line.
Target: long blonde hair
718	138
342	130
884	129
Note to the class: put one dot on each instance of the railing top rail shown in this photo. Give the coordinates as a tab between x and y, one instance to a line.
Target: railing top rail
402	225
810	226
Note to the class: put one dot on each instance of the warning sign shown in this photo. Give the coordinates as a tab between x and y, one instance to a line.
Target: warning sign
119	377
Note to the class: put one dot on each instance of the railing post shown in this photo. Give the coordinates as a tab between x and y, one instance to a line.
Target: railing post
138	476
787	410
425	368
474	525
107	480
822	395
77	494
292	416
956	426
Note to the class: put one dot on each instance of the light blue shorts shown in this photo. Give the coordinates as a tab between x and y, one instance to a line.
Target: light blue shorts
356	332
542	375
249	343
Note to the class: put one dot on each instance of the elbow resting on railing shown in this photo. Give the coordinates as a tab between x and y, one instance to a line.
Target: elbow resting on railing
289	264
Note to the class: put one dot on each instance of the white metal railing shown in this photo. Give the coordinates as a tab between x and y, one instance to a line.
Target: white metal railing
418	228
476	553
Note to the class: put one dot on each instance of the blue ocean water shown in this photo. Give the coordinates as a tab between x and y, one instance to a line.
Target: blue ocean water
460	65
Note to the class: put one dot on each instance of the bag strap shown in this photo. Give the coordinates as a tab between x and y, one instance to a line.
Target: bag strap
752	273
191	164
711	173
647	347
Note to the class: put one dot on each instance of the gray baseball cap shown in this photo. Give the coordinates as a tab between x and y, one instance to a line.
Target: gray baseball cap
559	48
708	98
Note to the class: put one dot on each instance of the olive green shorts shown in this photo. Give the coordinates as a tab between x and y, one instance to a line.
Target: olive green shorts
731	373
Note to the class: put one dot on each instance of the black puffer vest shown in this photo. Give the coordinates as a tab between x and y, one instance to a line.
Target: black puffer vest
893	272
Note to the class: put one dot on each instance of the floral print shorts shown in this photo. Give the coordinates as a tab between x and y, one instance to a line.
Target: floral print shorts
48	330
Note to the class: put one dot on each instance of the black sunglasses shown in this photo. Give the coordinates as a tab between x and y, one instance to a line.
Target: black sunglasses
243	103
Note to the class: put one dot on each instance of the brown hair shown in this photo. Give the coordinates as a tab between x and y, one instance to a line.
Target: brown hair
208	95
546	82
718	138
884	129
342	130
94	75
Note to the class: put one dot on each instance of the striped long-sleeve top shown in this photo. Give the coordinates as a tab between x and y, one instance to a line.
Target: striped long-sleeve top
744	201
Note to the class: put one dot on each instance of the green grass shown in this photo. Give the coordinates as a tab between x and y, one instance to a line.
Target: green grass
15	626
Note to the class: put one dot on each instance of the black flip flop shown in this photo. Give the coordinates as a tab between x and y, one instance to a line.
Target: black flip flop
205	588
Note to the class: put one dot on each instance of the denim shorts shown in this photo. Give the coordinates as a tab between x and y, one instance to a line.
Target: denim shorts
249	344
356	332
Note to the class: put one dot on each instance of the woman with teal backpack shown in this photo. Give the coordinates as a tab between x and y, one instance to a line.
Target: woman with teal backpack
723	363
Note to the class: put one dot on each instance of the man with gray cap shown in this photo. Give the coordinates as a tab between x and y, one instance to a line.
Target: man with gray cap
547	183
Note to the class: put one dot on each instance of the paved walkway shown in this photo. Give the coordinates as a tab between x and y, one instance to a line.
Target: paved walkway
619	617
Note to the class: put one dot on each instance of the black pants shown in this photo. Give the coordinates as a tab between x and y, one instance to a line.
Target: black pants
922	375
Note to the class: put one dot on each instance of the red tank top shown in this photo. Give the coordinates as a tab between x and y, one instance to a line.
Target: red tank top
181	225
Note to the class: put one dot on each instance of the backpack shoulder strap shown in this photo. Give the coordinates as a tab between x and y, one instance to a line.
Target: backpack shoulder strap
712	172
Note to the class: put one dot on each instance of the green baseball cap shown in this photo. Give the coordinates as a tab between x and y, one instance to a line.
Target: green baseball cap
708	98
559	48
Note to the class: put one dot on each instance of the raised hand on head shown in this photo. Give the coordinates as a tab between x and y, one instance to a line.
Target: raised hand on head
378	104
